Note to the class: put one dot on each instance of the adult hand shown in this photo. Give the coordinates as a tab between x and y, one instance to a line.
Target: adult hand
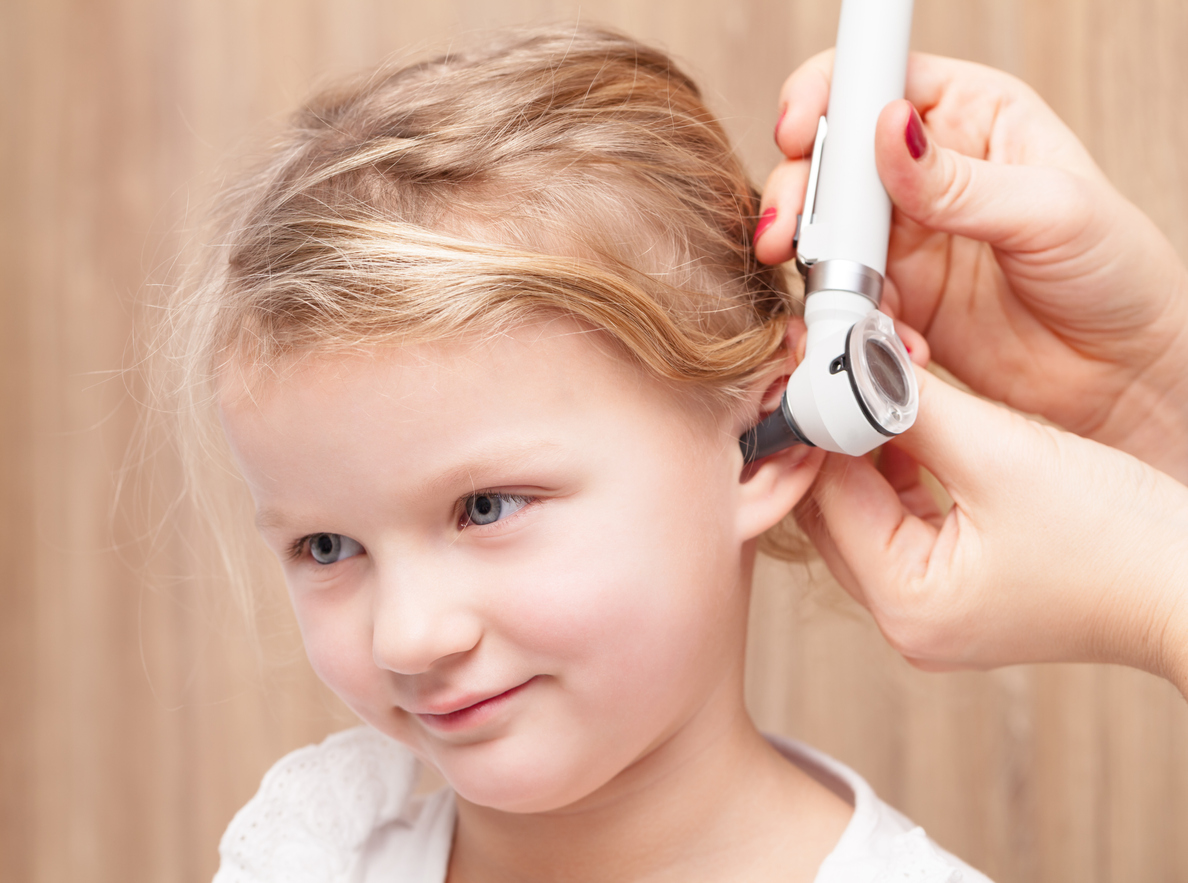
1056	548
1032	278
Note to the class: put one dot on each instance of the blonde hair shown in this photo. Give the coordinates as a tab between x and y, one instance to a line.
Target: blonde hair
555	171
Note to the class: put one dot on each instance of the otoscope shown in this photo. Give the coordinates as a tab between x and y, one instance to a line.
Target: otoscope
855	387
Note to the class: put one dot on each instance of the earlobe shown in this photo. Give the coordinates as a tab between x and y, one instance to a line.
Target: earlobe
769	489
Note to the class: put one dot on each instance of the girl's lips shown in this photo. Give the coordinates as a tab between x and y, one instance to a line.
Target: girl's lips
471	715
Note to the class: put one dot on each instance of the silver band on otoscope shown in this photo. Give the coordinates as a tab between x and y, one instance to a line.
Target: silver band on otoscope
841	275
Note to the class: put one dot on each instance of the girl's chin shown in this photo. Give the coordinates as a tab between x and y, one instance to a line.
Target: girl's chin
515	794
525	784
514	804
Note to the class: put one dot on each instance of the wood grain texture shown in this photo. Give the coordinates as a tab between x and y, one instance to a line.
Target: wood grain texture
136	715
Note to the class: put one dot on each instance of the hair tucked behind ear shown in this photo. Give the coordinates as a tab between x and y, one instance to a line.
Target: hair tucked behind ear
563	170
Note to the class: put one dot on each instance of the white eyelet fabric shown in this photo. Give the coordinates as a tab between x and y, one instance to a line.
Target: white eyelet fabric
344	811
915	859
317	809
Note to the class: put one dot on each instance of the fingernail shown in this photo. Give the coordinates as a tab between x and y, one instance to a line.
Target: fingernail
765	220
776	134
914	137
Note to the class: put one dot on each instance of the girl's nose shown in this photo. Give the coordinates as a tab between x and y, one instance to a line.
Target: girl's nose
419	619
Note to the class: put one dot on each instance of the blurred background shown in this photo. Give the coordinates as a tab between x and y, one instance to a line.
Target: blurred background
138	712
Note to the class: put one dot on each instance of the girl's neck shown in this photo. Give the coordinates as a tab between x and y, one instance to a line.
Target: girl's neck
716	801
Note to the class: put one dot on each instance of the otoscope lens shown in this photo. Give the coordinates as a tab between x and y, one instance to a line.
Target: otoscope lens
881	374
886	372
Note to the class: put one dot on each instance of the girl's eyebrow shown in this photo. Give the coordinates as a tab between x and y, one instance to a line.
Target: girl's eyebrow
270	519
517	454
512	455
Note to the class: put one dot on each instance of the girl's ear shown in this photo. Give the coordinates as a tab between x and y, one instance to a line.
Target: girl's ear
769	489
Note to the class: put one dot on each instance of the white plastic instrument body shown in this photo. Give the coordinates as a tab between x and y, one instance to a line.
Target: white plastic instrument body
849	215
855	387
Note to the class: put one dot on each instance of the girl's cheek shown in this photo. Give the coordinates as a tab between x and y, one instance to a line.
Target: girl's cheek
588	602
338	646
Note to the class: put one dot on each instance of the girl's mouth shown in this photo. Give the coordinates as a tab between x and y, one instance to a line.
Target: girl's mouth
471	715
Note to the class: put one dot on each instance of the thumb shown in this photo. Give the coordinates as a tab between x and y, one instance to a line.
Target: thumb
1013	207
867	532
921	577
969	444
1017	571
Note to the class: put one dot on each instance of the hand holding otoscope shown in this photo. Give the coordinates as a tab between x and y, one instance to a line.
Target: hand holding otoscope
1039	285
1034	281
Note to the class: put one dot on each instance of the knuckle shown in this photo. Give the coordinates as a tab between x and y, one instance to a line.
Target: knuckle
917	642
918	626
785	184
955	189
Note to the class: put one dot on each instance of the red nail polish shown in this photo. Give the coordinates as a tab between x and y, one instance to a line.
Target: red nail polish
765	220
776	134
914	137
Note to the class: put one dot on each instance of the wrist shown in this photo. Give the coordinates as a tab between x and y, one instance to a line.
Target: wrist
1177	663
1150	614
1174	632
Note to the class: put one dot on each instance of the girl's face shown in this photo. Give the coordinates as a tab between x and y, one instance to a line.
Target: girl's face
519	557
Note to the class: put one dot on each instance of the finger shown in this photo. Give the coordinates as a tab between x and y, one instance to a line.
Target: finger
804	96
899	468
903	474
796	338
878	544
803	100
989	114
884	534
890	546
964	440
932	81
915	343
784	192
810	520
1012	207
932	78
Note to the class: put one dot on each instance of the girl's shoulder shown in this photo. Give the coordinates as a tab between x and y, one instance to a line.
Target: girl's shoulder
880	844
323	810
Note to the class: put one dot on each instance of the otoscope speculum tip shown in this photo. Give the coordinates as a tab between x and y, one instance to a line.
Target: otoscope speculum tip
772	434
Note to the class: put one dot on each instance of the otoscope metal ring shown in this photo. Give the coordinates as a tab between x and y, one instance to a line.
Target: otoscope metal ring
841	275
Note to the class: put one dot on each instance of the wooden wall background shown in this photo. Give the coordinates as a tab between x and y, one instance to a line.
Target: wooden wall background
135	715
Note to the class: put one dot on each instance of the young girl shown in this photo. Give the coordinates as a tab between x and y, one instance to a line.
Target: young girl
482	338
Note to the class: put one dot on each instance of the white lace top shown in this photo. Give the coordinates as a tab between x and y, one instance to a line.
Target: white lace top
344	812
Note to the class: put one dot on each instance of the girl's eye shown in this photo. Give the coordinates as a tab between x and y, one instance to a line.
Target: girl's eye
487	508
327	548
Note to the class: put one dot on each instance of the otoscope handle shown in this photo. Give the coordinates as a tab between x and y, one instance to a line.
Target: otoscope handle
855	387
851	212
